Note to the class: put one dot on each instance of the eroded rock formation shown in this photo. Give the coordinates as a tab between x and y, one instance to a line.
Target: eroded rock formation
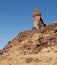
33	47
38	22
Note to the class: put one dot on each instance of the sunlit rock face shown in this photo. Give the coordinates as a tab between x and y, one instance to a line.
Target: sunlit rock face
38	22
33	47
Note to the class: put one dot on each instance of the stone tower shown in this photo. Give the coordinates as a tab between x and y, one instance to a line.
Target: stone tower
38	22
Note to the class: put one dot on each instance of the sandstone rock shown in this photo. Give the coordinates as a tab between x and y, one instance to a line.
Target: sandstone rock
38	22
28	60
37	46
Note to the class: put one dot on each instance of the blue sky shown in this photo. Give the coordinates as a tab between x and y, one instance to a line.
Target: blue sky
16	16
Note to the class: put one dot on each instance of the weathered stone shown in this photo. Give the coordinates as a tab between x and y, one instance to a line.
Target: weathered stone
38	22
29	60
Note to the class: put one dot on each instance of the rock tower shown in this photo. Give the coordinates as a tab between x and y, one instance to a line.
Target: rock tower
38	22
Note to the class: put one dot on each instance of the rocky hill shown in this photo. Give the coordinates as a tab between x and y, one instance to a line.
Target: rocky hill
33	47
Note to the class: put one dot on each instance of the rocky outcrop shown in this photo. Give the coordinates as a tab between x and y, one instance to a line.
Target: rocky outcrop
44	37
33	47
38	22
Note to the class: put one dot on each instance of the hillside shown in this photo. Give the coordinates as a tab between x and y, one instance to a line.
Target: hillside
32	47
